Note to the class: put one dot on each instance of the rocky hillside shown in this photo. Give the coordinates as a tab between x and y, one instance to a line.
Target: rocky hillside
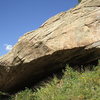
71	37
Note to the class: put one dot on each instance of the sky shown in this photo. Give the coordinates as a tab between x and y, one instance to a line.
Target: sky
20	16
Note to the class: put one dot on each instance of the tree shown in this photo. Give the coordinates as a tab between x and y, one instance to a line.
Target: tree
79	1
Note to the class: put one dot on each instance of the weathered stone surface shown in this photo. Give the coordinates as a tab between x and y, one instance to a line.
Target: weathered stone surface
71	37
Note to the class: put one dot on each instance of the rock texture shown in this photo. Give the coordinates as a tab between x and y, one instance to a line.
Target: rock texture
71	37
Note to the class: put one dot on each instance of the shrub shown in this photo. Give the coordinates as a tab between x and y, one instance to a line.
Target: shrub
72	86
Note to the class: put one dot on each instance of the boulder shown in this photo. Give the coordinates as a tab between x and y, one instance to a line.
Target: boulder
70	37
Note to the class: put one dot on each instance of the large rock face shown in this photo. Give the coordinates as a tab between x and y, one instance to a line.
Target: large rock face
71	37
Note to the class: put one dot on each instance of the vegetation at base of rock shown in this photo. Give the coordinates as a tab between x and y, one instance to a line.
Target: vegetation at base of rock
72	86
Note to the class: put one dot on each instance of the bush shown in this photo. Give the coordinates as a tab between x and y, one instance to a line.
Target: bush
72	86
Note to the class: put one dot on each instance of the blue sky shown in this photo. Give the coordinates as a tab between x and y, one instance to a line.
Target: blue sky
20	16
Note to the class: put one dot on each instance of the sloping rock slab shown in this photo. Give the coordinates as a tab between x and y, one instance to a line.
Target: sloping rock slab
71	37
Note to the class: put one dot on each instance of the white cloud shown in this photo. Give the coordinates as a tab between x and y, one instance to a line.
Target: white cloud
8	47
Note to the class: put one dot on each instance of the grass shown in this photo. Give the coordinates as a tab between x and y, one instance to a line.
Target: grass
72	86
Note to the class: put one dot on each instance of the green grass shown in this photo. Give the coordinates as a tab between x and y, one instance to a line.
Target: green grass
72	86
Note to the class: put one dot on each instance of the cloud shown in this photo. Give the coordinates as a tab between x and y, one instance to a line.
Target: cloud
8	47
